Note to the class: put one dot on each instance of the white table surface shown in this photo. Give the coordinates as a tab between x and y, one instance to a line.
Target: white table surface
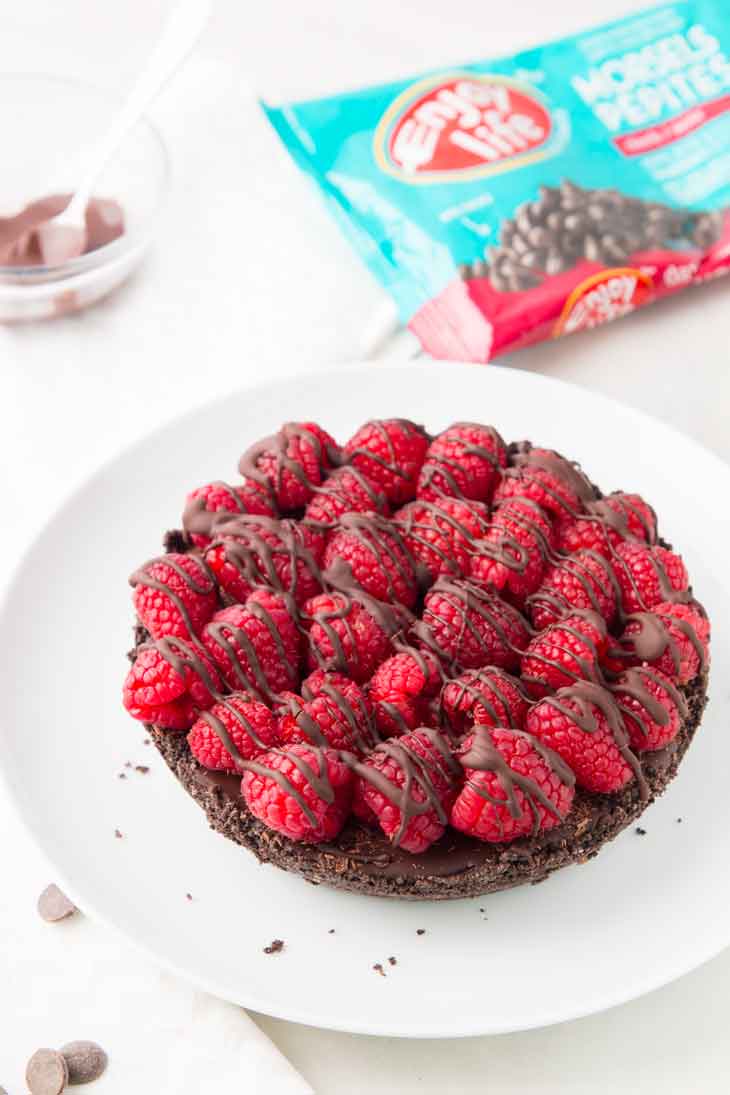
213	308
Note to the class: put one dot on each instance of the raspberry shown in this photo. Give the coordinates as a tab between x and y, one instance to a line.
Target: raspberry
652	708
254	551
235	729
377	557
408	784
511	557
174	595
583	580
390	452
514	786
462	462
170	682
291	462
467	627
583	725
564	652
647	575
347	490
547	478
606	523
400	689
439	535
256	645
672	638
301	791
337	714
489	697
207	506
349	632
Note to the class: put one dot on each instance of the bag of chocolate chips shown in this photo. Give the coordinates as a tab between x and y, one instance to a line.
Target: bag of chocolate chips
508	201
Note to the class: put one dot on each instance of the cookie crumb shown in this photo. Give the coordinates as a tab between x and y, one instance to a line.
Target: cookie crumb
331	931
147	741
142	769
53	905
86	1061
118	835
679	821
121	775
640	831
274	947
189	896
393	961
420	931
379	969
127	764
481	910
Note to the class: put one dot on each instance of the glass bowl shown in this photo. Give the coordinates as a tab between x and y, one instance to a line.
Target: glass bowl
48	124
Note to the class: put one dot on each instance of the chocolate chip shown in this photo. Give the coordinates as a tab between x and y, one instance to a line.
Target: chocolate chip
46	1073
393	961
420	931
86	1061
118	835
640	831
379	969
53	905
142	769
274	947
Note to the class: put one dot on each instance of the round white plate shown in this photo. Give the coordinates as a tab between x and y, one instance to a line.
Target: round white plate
648	909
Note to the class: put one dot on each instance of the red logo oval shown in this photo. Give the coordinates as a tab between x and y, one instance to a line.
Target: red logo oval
462	124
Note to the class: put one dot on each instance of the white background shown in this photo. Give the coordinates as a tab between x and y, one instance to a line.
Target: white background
249	279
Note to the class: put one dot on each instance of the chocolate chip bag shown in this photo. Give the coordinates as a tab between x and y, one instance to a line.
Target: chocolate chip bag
508	201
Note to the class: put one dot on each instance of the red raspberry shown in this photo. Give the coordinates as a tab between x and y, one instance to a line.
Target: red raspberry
349	633
467	627
347	490
400	689
647	575
583	580
174	595
170	682
253	551
207	506
377	557
584	726
439	535
408	784
390	452
652	708
547	478
256	645
606	523
511	557
301	791
489	697
338	715
291	463
462	462
235	729
672	638
564	652
514	786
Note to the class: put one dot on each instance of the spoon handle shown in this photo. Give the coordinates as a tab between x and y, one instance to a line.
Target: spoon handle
185	24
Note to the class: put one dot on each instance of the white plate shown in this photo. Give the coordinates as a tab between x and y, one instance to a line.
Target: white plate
645	911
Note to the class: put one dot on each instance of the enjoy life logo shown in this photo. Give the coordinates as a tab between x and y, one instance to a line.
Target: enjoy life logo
462	126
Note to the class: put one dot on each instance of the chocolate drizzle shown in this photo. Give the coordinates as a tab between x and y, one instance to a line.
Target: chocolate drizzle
438	465
600	580
362	732
502	544
577	703
478	684
318	780
415	529
198	520
634	683
524	457
261	549
277	446
332	491
587	670
182	655
468	600
381	427
416	776
653	637
217	725
482	755
383	540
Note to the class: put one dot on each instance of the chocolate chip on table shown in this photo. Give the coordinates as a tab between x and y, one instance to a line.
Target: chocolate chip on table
274	947
86	1061
53	905
420	931
46	1073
